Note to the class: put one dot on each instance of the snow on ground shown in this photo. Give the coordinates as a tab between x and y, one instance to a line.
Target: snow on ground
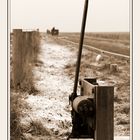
51	106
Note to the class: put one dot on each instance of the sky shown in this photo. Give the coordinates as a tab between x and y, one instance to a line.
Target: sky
66	15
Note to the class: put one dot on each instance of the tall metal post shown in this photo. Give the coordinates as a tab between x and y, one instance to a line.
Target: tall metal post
80	48
75	117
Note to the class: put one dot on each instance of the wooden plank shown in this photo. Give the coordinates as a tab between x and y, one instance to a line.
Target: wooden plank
17	57
25	49
104	113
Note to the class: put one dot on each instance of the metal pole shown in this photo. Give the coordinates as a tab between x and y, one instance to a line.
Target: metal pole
80	48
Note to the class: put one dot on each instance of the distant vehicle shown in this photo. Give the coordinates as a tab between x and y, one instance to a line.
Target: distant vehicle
53	32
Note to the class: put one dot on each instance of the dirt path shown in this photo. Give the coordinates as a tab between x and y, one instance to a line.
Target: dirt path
51	105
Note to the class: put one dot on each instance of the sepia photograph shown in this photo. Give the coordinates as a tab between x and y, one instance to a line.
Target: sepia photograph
70	65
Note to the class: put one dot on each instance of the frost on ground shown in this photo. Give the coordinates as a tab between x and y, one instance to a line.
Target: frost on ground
51	105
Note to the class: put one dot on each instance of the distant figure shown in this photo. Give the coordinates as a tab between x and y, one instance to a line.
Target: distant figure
100	57
53	28
54	31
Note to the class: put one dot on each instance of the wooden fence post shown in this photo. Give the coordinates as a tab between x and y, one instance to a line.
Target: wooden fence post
17	59
25	50
26	61
104	113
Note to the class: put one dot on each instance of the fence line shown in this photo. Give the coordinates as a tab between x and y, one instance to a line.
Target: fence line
25	48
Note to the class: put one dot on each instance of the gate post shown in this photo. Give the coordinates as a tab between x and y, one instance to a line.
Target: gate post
104	113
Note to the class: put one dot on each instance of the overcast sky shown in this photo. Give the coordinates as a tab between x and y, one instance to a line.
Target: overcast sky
66	15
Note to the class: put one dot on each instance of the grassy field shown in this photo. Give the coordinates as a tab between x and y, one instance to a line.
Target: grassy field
113	42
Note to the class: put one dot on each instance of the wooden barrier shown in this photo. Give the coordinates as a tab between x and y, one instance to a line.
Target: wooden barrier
104	113
17	71
25	48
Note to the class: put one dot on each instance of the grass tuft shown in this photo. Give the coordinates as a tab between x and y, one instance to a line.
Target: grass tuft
16	111
38	129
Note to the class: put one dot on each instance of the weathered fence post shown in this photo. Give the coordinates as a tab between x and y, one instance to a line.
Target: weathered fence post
26	61
104	113
35	44
17	72
25	51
